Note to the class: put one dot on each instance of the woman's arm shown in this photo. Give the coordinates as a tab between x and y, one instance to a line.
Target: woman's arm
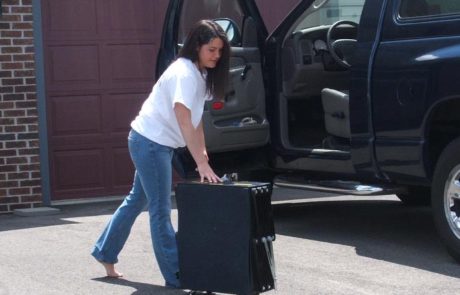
194	139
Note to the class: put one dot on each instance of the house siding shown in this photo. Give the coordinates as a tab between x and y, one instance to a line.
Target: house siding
20	181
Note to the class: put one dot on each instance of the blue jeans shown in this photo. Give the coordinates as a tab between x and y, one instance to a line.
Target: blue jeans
151	189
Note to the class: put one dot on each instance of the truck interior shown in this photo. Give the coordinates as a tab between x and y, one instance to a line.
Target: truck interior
316	58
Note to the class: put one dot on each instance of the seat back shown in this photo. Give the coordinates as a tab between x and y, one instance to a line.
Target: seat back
336	112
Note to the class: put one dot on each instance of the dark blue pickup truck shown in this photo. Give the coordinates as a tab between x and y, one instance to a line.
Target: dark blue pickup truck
350	96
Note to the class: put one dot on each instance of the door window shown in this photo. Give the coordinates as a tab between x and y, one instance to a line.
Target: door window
420	8
195	10
328	12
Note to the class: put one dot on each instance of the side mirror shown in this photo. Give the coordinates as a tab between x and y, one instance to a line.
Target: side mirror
231	29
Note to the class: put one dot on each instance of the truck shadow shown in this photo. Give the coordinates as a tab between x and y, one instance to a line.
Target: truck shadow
380	229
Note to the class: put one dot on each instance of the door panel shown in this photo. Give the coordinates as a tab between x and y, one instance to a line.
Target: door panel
241	123
99	68
415	54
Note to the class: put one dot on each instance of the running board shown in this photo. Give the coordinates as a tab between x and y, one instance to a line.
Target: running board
337	186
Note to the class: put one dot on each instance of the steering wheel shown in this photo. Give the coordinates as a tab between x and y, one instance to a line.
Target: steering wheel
341	50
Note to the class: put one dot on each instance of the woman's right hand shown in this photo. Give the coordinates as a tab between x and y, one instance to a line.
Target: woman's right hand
206	173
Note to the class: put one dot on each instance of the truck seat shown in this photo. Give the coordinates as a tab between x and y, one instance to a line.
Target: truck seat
336	112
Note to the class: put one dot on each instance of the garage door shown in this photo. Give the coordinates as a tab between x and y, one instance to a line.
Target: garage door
99	67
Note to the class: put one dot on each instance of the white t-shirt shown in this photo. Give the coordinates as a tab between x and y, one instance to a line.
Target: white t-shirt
183	83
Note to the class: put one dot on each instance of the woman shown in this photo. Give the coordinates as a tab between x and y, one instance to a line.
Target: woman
169	118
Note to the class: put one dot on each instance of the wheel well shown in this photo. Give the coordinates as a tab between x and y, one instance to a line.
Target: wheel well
443	127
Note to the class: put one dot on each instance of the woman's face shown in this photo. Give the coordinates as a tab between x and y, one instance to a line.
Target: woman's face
209	54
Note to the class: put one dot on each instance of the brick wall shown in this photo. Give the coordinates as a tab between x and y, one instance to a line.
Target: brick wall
19	145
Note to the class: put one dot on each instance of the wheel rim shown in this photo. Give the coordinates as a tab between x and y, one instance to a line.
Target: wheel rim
452	200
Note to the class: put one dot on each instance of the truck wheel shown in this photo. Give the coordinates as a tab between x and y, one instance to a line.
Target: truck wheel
445	198
416	196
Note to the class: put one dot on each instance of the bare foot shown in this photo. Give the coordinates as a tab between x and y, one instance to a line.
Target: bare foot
110	270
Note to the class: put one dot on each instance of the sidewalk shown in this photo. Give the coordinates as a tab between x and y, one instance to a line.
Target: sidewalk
51	255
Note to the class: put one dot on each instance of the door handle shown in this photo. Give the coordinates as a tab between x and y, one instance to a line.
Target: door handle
245	71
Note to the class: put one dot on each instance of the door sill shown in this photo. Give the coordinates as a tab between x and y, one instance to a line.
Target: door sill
337	186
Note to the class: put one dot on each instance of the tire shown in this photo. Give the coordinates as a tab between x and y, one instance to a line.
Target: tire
416	196
445	198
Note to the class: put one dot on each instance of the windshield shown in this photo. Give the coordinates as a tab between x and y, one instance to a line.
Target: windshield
328	12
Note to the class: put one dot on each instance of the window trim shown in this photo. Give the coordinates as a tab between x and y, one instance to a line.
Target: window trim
420	19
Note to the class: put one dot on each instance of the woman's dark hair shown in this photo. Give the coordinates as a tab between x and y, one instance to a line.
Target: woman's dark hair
200	34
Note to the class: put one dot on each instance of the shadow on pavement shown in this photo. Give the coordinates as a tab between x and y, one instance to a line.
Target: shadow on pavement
14	222
380	229
141	288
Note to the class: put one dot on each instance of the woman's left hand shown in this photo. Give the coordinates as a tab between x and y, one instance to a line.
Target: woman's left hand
206	173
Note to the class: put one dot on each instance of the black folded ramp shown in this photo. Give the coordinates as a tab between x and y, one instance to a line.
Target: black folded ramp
224	237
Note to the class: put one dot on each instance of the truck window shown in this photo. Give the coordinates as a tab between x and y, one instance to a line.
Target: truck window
194	10
330	12
421	8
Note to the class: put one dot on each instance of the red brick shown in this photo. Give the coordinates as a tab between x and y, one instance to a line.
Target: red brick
7	137
11	34
5	41
23	152
6	121
19	191
11	2
31	81
14	113
30	183
31	167
10	18
22	26
26	104
2	177
13	97
11	49
8	184
6	89
36	190
32	113
3	192
21	10
6	105
32	128
8	153
4	26
17	160
9	200
12	66
8	168
31	96
35	198
30	135
35	159
8	82
23	57
34	143
27	18
29	49
5	57
15	129
4	209
6	74
36	175
25	73
15	144
29	65
26	2
25	88
23	41
21	121
18	176
29	34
